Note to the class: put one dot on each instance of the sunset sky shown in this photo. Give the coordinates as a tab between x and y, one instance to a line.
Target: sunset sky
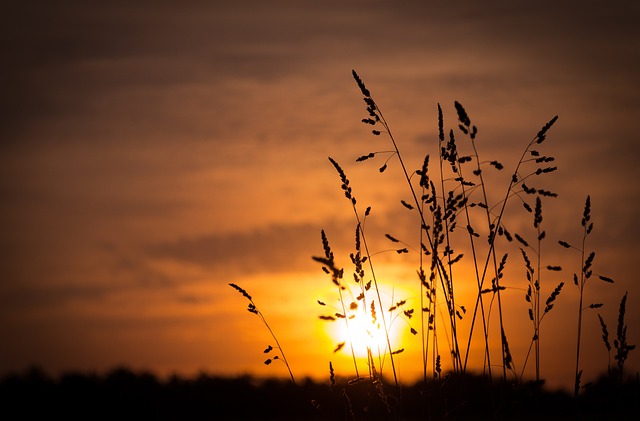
152	152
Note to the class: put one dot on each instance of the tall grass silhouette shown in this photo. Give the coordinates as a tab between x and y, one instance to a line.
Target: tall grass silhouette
439	207
534	279
461	217
580	281
252	308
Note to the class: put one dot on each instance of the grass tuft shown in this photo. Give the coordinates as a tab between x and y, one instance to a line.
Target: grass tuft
460	219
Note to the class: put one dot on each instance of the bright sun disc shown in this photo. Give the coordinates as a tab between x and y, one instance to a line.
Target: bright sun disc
361	331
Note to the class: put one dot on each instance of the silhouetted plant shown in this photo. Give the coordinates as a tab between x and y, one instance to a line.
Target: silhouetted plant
448	199
534	286
444	206
329	267
607	344
620	343
580	281
435	233
252	308
359	275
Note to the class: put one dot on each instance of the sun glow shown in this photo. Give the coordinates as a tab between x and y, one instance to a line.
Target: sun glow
361	329
363	333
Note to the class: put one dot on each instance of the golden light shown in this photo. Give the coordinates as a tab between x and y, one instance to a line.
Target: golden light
359	326
361	332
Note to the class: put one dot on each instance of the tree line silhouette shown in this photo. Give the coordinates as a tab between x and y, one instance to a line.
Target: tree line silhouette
124	394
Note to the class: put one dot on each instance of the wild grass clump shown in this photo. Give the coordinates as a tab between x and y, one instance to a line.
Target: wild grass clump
620	342
461	217
445	201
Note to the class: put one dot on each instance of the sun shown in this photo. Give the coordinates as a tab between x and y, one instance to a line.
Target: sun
371	320
361	331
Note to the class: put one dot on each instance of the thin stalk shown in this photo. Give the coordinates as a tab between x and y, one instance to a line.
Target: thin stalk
449	280
252	308
352	200
581	281
346	321
375	284
284	358
537	307
422	278
475	263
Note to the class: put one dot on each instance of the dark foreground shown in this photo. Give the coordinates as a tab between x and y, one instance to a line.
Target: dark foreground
123	394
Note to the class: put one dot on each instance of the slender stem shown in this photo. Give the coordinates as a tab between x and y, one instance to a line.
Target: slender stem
422	292
448	288
375	283
284	358
346	321
526	358
576	389
492	250
577	378
537	307
384	319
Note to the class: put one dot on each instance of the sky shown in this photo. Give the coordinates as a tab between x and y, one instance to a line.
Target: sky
153	152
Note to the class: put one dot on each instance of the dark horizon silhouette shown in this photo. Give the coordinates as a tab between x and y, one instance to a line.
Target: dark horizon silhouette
126	394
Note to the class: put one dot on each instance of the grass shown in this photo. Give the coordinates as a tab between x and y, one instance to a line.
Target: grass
460	217
252	308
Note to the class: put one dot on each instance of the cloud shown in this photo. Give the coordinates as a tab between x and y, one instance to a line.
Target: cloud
273	249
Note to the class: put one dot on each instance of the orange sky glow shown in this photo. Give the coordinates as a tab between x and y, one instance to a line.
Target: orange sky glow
152	153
